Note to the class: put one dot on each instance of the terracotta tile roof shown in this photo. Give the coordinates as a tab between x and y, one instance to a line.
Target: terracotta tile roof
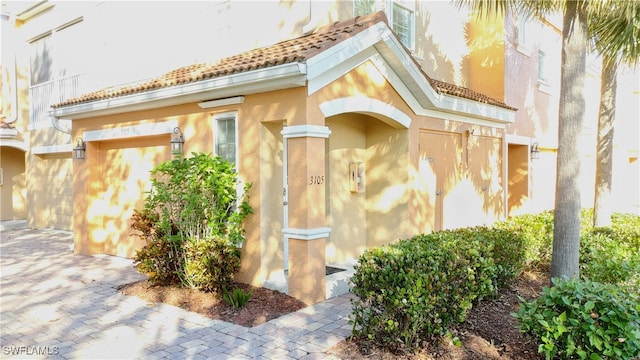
295	50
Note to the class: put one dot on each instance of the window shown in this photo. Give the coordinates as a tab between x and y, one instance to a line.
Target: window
363	7
542	67
402	23
225	143
56	69
401	15
54	54
523	36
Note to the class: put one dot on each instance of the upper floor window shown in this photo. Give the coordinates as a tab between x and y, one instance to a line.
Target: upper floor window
402	22
543	68
401	15
54	54
523	36
364	7
225	142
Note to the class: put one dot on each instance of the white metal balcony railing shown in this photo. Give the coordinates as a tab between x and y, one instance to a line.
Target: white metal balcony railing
52	92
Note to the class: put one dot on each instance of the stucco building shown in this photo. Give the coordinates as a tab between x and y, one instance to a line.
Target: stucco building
358	123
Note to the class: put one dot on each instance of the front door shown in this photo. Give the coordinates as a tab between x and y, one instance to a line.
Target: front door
440	161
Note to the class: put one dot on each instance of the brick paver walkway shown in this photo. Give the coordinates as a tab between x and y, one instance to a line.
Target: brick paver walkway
54	304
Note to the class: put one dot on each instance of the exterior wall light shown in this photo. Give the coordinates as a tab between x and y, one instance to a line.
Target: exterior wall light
80	149
535	151
177	141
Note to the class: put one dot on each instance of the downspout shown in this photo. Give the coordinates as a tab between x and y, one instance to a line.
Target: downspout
57	126
312	25
12	80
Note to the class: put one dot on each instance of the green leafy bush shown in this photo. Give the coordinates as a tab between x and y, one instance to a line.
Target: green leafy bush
238	298
606	257
508	250
199	196
192	223
536	232
583	319
161	259
209	264
410	291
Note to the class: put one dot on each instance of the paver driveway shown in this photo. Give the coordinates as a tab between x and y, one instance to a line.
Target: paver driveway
54	304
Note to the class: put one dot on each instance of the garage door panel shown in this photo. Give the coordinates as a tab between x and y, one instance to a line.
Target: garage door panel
125	182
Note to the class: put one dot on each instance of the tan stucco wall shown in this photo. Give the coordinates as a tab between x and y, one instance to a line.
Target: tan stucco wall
49	187
387	174
13	189
347	211
386	211
49	183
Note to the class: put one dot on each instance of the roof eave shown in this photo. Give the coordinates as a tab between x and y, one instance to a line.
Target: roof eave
279	77
379	45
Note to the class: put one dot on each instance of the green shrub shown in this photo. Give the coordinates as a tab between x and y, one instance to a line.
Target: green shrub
191	223
198	195
410	291
238	298
209	264
583	319
606	257
536	233
508	250
161	259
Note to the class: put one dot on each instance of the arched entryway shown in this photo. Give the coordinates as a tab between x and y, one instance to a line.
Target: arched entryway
367	197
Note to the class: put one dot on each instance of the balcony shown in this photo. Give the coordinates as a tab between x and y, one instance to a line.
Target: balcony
52	92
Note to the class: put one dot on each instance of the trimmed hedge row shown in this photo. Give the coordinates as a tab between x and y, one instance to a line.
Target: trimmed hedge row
411	291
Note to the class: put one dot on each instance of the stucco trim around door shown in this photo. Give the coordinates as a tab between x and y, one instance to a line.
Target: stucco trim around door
318	131
124	132
387	113
307	234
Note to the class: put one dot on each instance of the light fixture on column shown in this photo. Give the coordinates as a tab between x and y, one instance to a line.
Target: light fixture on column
535	151
79	149
177	141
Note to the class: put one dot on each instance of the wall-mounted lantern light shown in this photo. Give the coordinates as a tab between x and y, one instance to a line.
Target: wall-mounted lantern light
535	151
79	149
177	140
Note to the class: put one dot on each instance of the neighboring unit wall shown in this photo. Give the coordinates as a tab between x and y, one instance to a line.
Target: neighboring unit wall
49	185
12	184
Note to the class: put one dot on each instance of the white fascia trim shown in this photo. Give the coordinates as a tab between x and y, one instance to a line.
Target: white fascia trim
51	149
336	55
462	118
277	77
467	110
124	132
363	104
221	102
17	144
318	131
307	234
370	45
518	139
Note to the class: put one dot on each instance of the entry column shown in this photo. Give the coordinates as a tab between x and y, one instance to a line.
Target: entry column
306	231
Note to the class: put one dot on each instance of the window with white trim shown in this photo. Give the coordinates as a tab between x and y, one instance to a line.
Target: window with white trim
56	67
543	70
524	38
55	55
226	136
364	7
402	22
401	15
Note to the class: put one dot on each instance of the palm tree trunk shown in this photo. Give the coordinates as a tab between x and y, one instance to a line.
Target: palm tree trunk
604	153
566	232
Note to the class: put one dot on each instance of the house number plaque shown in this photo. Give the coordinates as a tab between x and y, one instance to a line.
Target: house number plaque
316	180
